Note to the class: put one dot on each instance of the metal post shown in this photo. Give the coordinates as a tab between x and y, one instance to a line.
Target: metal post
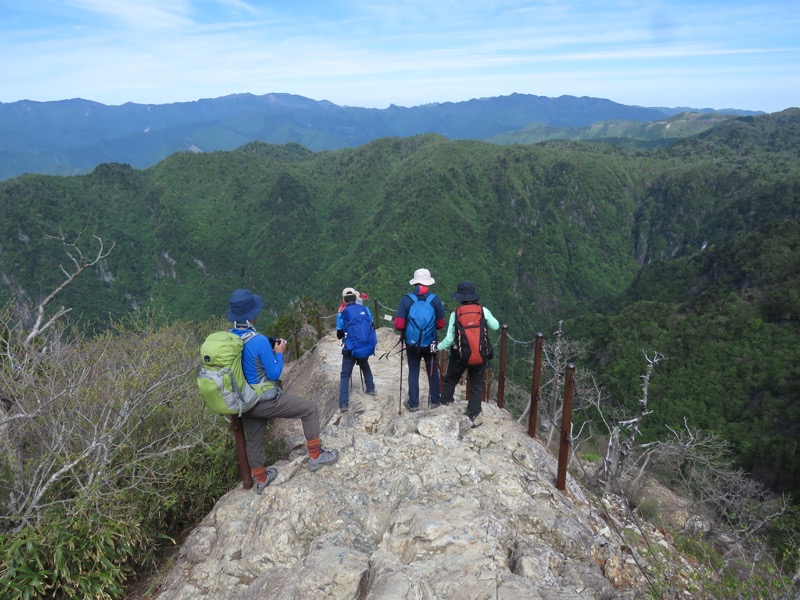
537	382
241	453
501	375
566	428
487	384
375	313
319	327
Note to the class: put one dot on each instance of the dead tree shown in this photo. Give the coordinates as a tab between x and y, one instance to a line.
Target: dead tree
79	263
619	448
81	417
557	354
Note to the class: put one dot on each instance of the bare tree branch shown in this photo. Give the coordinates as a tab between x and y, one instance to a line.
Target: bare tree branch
80	263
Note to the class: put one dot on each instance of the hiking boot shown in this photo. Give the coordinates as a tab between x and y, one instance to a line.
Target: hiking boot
372	393
410	408
477	421
272	473
435	405
343	407
326	457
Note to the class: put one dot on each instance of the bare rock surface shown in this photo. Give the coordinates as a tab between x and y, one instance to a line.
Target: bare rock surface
419	506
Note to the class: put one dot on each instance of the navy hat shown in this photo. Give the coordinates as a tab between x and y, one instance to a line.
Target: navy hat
466	292
243	306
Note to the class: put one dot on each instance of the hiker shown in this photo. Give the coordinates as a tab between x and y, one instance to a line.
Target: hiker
360	297
262	365
354	325
420	315
470	352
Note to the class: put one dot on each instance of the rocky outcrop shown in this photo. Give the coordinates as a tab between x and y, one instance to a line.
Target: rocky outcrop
418	506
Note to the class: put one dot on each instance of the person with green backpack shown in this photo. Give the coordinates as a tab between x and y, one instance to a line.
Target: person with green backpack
262	365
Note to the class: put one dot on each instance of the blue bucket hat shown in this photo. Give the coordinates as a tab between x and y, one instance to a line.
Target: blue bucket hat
243	306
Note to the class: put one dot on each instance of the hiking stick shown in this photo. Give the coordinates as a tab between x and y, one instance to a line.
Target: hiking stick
389	353
430	387
402	353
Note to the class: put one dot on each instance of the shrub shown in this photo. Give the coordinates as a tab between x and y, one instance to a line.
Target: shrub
107	450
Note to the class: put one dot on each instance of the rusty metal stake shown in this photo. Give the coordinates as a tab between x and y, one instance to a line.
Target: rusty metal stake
501	375
488	377
537	381
241	453
566	428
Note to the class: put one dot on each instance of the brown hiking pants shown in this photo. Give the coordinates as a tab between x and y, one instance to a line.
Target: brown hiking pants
287	406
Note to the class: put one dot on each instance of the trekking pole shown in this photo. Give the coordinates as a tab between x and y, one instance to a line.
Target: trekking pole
402	352
431	366
387	354
441	357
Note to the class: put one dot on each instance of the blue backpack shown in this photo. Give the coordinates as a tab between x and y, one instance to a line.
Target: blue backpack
360	337
421	322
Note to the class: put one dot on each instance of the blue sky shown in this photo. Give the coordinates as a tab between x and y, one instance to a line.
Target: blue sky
406	52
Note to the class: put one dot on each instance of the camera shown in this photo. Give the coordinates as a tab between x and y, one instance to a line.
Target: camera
273	341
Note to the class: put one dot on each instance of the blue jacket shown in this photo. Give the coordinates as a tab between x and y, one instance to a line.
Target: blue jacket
259	363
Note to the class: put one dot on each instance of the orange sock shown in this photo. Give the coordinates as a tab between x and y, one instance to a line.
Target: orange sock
259	474
313	447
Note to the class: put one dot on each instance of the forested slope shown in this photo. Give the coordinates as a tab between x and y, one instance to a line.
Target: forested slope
691	251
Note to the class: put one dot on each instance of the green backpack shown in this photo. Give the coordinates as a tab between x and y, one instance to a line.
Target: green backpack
221	379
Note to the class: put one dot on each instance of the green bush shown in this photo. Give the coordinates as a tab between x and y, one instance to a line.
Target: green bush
81	555
94	485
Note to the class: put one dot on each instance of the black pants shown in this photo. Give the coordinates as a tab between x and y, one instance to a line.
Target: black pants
455	369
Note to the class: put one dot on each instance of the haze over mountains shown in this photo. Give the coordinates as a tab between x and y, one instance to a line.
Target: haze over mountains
70	137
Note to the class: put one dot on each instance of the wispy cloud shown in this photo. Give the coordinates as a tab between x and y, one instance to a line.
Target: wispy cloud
409	52
147	14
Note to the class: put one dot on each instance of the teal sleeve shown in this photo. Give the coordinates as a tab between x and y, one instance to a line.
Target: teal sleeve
491	322
451	333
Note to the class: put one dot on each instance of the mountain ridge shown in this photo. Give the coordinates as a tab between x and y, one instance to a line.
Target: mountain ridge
69	137
419	505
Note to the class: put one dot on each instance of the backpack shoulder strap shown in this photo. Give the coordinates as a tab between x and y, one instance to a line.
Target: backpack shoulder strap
430	298
413	296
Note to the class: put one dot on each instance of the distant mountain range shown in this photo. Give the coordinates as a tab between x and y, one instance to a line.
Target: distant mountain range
71	137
